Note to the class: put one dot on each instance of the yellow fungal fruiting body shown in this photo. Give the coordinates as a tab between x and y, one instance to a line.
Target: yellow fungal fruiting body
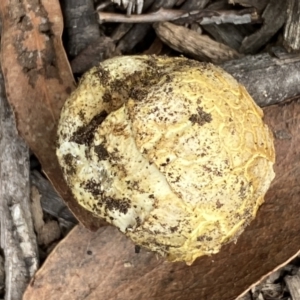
172	151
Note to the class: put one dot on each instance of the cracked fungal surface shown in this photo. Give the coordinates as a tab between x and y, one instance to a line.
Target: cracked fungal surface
172	151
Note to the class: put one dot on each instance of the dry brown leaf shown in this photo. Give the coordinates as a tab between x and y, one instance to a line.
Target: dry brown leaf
38	80
104	265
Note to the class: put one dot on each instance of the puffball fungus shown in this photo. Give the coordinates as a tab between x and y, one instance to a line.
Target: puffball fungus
171	151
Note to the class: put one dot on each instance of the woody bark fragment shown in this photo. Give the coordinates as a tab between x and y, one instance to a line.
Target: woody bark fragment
292	26
198	46
268	79
258	4
18	240
274	17
194	4
81	24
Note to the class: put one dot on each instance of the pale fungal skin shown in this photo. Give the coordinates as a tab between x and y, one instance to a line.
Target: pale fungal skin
172	151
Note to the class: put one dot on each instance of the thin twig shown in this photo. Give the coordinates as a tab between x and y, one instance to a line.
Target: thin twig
161	15
203	17
207	16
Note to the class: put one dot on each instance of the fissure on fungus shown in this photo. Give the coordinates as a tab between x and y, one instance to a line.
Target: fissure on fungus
171	151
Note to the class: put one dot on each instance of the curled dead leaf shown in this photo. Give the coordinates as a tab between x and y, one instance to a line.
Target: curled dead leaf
38	80
104	265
